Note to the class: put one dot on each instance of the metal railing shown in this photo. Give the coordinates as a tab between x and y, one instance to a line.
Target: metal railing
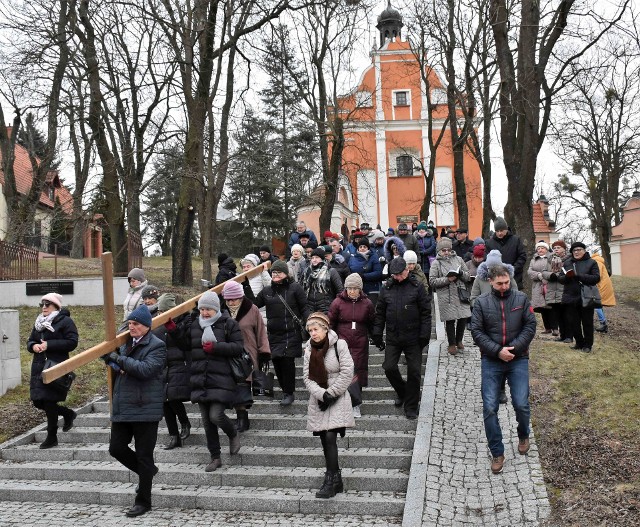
18	262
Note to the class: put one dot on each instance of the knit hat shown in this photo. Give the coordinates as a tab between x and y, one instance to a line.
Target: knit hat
559	243
222	257
319	318
410	257
328	234
542	244
137	274
280	267
494	258
265	248
376	235
365	225
141	315
253	259
327	249
577	244
353	280
499	224
304	234
209	300
444	243
232	290
403	226
478	241
422	226
397	265
319	251
166	302
54	298
150	291
297	247
478	251
364	241
391	231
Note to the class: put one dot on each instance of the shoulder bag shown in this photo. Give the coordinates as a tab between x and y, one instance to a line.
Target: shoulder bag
63	383
241	365
295	317
590	296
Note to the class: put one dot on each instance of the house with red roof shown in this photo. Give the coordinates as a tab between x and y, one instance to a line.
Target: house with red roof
543	226
54	190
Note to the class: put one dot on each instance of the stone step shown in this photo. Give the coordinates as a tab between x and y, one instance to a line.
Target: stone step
229	498
276	438
271	421
382	458
194	474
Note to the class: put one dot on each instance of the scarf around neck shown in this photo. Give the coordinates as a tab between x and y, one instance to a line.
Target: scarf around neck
318	279
43	322
233	310
317	369
205	324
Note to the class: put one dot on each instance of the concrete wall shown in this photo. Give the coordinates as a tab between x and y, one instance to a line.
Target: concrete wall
10	372
86	292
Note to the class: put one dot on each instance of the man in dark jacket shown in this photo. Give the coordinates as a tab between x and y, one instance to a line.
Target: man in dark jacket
294	237
405	310
463	244
136	407
407	237
503	326
510	247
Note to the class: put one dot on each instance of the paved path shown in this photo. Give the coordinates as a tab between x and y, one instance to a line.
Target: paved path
460	488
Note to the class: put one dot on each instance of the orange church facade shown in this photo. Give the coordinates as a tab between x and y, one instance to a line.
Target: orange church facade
387	139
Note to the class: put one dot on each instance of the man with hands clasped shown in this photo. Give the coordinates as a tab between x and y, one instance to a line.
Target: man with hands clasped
503	326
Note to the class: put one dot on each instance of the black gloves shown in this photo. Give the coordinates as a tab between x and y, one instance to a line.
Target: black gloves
263	360
327	401
553	277
377	340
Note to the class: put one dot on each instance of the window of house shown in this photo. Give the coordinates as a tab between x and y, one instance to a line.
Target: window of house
404	166
402	98
52	193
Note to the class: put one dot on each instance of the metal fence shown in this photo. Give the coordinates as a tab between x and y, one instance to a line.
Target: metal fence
18	262
134	249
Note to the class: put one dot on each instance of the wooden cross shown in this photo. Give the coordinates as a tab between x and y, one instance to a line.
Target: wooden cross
113	341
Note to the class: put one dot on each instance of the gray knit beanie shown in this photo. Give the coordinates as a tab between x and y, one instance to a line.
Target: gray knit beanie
137	274
209	300
353	280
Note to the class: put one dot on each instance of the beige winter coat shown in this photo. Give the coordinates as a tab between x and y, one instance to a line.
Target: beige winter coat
448	300
340	414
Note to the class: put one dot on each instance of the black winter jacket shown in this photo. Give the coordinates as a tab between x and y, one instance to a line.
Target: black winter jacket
587	272
462	248
499	320
512	251
285	336
138	393
177	371
320	296
226	271
405	309
60	343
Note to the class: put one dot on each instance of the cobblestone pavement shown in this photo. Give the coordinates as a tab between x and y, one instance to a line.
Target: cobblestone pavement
460	488
28	514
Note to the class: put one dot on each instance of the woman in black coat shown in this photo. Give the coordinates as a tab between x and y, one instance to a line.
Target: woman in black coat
213	338
54	336
285	333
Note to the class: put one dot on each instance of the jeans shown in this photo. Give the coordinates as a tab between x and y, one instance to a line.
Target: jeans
409	390
601	317
517	374
139	461
213	416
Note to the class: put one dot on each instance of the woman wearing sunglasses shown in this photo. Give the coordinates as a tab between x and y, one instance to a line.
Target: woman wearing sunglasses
54	336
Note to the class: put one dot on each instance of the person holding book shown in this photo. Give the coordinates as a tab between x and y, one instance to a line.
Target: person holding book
448	277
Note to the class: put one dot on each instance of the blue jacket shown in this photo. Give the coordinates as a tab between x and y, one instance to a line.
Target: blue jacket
369	269
138	393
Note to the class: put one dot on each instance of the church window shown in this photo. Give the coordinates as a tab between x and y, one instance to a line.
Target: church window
402	98
404	166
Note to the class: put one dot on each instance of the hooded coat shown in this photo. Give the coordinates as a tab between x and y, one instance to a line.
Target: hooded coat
605	285
352	320
481	284
60	342
367	265
540	273
177	371
226	270
339	366
451	308
254	331
133	299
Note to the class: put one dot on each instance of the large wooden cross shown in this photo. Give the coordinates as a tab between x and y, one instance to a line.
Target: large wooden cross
113	341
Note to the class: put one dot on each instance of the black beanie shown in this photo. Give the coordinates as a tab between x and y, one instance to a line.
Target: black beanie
364	241
319	251
222	257
265	248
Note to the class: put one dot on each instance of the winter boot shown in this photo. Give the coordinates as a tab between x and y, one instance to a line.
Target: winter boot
51	440
242	424
338	487
69	418
327	490
174	442
603	327
185	430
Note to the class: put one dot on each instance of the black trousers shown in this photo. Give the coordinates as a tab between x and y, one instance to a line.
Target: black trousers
559	311
455	330
549	319
53	410
139	460
285	368
174	411
409	390
580	319
213	416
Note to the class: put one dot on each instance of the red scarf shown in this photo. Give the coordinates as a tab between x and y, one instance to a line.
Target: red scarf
317	370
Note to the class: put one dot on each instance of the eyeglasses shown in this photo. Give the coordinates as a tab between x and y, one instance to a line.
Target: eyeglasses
276	273
578	250
45	303
446	250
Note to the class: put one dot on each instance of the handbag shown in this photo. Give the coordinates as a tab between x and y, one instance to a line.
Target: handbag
263	380
464	295
63	383
241	365
590	296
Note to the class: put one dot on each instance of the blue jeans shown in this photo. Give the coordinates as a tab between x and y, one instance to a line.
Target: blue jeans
516	373
601	317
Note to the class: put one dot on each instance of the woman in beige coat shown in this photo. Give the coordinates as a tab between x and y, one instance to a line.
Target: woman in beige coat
544	287
327	373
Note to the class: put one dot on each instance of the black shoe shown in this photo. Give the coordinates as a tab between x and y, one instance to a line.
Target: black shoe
603	328
576	347
174	442
411	415
213	465
338	487
287	399
50	441
503	397
559	339
155	471
398	402
586	350
234	444
567	341
242	424
137	510
327	490
68	423
185	431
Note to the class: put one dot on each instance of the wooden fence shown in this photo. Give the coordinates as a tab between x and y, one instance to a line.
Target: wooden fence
18	262
134	249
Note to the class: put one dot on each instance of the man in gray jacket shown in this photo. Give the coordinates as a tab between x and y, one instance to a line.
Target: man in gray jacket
503	326
136	406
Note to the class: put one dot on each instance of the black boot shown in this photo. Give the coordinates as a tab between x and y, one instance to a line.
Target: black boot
185	430
242	424
69	418
174	442
328	489
338	487
50	441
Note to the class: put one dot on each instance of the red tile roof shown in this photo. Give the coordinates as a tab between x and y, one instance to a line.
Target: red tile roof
24	178
540	224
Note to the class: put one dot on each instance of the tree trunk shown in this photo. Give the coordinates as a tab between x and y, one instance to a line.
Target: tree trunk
331	182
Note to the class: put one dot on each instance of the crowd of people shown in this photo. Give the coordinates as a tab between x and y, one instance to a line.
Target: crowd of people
328	302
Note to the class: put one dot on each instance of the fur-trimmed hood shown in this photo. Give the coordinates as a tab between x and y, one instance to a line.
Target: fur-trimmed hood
387	247
483	271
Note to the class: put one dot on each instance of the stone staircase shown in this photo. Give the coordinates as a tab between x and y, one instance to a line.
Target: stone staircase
278	469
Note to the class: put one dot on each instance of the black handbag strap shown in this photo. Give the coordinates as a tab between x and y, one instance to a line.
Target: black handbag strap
295	317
